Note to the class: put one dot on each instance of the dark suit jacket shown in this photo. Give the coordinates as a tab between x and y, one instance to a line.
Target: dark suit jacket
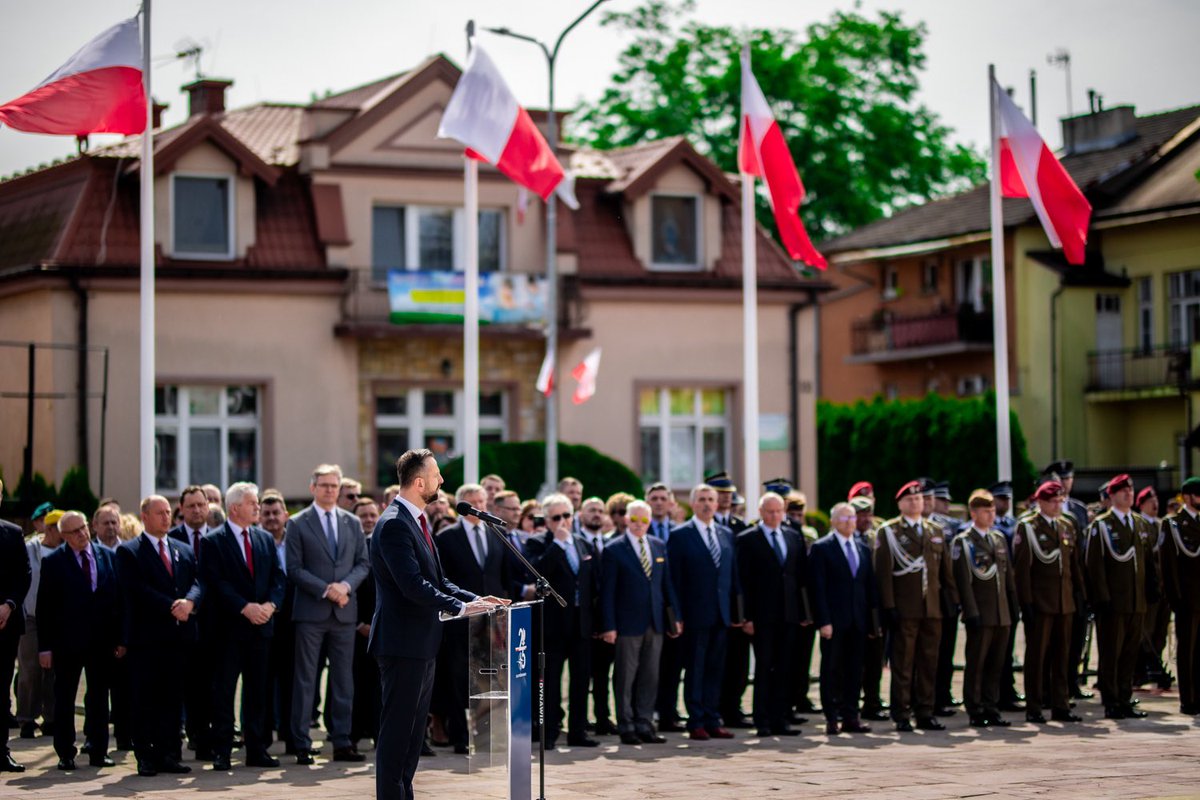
311	567
15	576
458	561
72	619
629	601
410	589
227	585
180	534
847	602
150	590
774	594
551	561
706	594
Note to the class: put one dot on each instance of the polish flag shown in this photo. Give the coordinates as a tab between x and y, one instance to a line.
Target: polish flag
545	378
585	376
98	90
1029	169
484	115
763	153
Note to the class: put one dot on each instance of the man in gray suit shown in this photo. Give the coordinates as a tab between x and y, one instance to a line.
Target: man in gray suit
326	563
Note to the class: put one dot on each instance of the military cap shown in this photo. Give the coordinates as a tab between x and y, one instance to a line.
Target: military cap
941	490
1103	491
859	489
861	503
1118	483
780	486
42	510
1144	495
721	482
737	499
927	485
1063	469
1048	490
1001	489
1190	486
981	498
910	488
52	517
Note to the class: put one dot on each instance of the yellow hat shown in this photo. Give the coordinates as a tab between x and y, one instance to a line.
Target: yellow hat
53	517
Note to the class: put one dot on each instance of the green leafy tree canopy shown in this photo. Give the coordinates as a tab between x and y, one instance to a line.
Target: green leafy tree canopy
844	95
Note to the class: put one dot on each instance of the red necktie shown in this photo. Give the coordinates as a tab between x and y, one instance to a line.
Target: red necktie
249	554
425	530
166	559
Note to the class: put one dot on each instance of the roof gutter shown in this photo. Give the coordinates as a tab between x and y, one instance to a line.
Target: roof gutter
911	249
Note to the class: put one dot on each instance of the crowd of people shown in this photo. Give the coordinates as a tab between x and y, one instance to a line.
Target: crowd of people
162	614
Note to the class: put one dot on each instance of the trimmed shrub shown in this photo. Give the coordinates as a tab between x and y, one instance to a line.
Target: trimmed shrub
523	467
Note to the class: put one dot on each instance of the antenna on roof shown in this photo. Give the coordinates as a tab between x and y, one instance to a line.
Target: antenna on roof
190	50
1062	58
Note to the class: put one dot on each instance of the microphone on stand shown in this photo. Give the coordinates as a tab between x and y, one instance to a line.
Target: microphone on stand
465	509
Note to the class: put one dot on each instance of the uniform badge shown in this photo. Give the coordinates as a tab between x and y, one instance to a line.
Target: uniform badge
659	560
904	538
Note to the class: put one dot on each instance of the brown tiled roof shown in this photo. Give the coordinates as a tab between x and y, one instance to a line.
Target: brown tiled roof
969	212
353	99
34	212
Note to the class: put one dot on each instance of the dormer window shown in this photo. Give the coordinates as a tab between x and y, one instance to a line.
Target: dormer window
202	216
675	232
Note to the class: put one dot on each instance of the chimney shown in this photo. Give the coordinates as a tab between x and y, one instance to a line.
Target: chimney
1099	130
206	96
157	110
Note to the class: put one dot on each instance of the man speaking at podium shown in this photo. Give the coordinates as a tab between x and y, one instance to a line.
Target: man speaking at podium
405	632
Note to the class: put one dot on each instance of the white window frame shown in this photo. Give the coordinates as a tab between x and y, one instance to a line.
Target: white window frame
663	421
183	421
418	423
891	282
972	292
412	234
929	268
1145	290
699	263
232	249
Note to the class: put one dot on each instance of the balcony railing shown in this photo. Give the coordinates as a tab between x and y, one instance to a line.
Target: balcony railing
897	334
1140	368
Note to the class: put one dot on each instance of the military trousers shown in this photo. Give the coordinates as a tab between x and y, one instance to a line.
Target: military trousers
1047	650
986	645
1120	637
1187	657
914	667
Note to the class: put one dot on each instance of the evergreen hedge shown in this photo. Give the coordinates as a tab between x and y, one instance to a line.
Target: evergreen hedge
523	467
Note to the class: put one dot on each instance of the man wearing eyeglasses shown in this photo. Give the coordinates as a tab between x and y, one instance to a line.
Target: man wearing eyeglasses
637	606
15	577
79	613
569	564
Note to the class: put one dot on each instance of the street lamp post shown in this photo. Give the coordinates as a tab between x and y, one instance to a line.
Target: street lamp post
551	55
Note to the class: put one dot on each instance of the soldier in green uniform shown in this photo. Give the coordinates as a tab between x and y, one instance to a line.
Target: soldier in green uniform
984	579
1048	576
1181	581
1120	574
912	565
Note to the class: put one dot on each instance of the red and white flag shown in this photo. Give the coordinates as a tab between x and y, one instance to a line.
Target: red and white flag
484	115
1029	169
585	376
98	90
763	153
545	378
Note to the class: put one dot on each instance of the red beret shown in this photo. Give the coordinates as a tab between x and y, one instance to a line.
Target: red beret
1048	490
1144	495
861	488
1119	482
912	487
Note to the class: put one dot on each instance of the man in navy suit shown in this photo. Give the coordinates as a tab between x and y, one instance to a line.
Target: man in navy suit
79	629
773	567
411	590
199	670
159	578
704	570
473	559
567	561
845	609
635	593
243	587
15	577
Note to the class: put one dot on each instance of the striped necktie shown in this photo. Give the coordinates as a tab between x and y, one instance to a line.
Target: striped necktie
714	549
644	557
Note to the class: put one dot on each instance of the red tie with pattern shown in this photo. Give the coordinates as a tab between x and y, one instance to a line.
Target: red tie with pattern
249	553
166	559
425	530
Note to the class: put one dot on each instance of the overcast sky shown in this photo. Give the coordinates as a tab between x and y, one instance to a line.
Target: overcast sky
1142	53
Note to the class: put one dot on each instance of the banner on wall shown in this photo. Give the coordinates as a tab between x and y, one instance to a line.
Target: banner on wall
508	298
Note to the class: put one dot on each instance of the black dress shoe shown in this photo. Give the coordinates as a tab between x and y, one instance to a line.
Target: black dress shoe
347	754
763	733
878	715
904	726
28	730
1011	705
146	771
650	737
125	745
1113	712
66	764
1035	717
738	721
262	760
944	711
102	761
87	746
426	750
582	741
1081	694
785	730
173	767
305	759
831	728
798	720
462	750
978	721
1134	713
1064	716
631	738
930	724
1189	708
7	764
997	721
855	726
605	727
806	706
221	764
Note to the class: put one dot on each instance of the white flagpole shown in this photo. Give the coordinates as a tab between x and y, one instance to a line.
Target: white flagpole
146	367
749	347
999	298
471	328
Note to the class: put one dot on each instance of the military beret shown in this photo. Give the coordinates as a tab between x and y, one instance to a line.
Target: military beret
1001	489
1063	469
910	488
42	510
778	485
1190	486
859	489
1144	495
1118	483
721	482
861	503
53	517
1048	490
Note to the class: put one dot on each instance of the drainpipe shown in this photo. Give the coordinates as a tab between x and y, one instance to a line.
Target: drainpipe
1054	370
81	360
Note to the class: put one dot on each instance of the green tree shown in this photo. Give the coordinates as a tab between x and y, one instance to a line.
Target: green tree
844	95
